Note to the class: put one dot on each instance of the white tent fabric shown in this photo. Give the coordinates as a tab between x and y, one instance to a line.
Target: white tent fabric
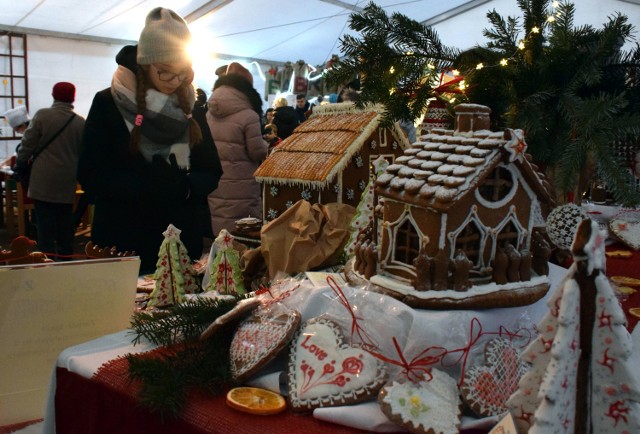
275	30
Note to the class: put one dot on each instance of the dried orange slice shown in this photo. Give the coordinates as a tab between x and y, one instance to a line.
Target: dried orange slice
255	400
625	254
625	290
635	311
625	280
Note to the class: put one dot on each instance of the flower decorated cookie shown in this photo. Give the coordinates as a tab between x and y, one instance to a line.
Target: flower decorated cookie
486	388
259	339
325	372
429	406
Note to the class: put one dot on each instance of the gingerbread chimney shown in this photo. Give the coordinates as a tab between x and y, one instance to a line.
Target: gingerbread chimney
472	117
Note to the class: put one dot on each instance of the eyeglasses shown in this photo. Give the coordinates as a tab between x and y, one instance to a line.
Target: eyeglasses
170	76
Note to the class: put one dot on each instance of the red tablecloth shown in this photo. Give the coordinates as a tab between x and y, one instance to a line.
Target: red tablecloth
626	267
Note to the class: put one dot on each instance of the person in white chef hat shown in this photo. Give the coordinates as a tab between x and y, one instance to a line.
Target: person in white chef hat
18	118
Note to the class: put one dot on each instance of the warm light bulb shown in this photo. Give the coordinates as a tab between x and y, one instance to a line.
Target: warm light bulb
504	62
479	66
463	85
535	30
521	45
431	66
392	70
455	72
551	19
555	4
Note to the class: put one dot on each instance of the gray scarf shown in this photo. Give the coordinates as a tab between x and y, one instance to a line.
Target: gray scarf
164	125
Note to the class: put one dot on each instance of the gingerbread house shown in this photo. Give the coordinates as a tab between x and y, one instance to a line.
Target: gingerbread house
458	216
328	158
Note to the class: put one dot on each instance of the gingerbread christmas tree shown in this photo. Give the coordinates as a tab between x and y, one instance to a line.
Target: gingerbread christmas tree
581	380
225	272
364	210
174	274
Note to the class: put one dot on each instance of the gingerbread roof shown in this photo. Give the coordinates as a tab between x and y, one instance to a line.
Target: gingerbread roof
322	146
444	166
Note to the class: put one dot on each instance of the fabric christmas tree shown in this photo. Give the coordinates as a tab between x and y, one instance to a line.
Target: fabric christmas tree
581	378
174	276
225	273
364	210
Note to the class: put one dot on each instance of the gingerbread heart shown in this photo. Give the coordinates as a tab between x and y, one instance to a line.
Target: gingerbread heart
325	372
428	406
626	226
486	388
259	339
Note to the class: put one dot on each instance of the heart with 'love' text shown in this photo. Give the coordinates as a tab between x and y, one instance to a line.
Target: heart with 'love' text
325	372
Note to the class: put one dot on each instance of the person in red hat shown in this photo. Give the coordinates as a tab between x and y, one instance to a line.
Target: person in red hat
53	142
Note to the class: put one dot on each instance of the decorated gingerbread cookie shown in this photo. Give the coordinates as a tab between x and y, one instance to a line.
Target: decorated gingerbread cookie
486	388
259	339
325	372
431	406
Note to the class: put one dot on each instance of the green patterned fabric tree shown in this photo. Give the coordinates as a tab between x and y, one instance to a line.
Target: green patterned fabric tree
225	273
174	274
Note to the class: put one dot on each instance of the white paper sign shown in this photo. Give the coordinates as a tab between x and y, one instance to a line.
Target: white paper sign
45	308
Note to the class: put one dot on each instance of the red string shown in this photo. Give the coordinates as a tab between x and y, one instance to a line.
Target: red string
419	367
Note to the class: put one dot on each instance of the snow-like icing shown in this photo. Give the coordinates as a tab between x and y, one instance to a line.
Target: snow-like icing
464	149
453	181
393	168
427	405
463	170
422	174
439	156
446	194
482	133
456	159
425	155
431	165
403	159
432	146
416	163
480	152
395	285
469	141
397	183
412	151
490	143
471	161
437	178
384	179
406	172
413	185
428	190
446	169
448	147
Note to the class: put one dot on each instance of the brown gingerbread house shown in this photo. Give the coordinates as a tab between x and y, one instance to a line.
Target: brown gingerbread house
328	158
459	212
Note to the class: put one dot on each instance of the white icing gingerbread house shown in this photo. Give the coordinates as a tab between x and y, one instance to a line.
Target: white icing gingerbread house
459	210
328	158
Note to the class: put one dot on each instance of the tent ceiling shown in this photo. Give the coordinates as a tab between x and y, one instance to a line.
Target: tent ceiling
275	30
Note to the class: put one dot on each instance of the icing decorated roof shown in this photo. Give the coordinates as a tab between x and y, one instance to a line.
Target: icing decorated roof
445	165
322	146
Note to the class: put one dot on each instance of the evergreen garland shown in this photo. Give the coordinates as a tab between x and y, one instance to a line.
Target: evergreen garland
397	61
571	89
188	362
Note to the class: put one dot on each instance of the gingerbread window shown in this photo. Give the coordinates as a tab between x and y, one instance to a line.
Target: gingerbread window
497	185
509	234
469	240
407	243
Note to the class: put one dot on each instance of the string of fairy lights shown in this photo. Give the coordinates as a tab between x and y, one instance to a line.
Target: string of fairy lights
522	45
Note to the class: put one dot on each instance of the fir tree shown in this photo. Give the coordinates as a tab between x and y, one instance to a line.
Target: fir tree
572	89
398	61
226	273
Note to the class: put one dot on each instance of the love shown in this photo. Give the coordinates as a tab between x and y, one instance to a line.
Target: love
313	349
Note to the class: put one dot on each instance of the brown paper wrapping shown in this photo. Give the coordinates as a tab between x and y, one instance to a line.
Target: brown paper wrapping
306	237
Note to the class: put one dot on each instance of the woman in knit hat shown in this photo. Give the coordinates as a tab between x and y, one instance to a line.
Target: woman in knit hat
235	110
145	162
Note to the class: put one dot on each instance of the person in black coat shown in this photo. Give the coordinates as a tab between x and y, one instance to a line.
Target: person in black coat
284	118
146	162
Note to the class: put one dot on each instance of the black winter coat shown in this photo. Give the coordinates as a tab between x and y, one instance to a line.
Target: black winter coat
286	121
130	213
